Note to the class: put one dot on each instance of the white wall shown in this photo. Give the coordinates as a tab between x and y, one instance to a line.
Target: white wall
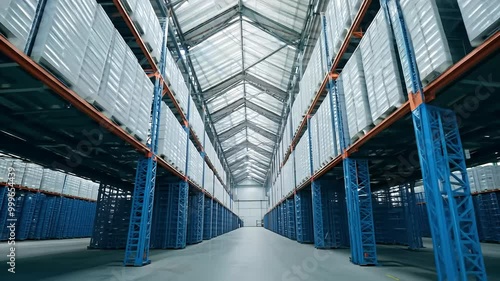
251	201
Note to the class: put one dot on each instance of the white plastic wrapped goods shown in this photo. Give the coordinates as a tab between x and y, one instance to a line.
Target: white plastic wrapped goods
428	38
487	178
172	139
385	91
315	140
354	6
63	37
195	172
359	117
71	185
141	101
146	21
481	18
475	186
95	55
302	162
343	18
16	20
32	176
5	164
95	191
84	189
19	170
52	181
331	30
195	121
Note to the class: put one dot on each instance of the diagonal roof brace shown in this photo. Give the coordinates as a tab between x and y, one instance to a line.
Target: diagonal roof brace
226	111
251	125
243	164
264	112
247	144
221	88
206	29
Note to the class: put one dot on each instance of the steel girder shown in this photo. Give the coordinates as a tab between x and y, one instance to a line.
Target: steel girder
139	233
222	87
264	112
226	111
256	163
450	208
247	144
251	125
413	227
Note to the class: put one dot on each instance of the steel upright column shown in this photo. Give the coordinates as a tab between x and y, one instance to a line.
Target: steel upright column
413	228
450	208
357	183
139	234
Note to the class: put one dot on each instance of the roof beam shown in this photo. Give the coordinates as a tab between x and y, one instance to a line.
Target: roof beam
242	164
264	112
249	145
278	30
251	125
221	88
226	111
206	29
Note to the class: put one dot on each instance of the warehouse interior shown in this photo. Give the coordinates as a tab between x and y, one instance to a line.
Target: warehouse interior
250	140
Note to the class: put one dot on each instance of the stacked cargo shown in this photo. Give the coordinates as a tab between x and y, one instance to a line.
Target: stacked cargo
147	24
19	170
302	169
326	147
195	121
176	82
481	18
172	139
428	37
52	181
16	20
195	172
380	64
72	185
208	180
77	42
32	176
288	177
359	118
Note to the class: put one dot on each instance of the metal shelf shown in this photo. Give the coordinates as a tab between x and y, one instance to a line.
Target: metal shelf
440	87
116	8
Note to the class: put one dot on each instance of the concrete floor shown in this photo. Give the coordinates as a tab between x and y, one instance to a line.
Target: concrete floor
248	254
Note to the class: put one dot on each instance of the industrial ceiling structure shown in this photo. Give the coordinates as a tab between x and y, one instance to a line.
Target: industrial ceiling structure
243	58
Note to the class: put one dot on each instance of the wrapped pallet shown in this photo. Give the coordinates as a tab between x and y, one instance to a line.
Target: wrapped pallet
71	185
63	36
380	64
428	37
16	20
5	165
19	170
481	18
359	118
32	176
95	56
52	181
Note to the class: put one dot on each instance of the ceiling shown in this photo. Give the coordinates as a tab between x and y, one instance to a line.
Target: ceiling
242	54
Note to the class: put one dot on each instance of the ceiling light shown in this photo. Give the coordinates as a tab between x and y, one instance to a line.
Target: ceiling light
486	136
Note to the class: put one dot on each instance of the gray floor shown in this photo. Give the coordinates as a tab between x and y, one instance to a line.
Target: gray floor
247	254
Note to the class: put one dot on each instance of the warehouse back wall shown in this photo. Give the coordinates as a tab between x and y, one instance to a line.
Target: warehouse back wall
251	201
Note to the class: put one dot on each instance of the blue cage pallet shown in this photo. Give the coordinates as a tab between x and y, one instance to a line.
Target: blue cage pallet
195	218
304	217
488	214
207	222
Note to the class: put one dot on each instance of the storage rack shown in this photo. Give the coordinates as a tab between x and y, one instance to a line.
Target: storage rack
120	150
398	126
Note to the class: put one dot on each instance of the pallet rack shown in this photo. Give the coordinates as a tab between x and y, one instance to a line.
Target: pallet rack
398	126
121	146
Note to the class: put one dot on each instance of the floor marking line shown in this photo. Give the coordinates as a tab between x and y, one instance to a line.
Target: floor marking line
390	276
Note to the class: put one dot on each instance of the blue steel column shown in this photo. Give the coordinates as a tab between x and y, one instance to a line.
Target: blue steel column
450	208
319	237
357	184
139	234
413	228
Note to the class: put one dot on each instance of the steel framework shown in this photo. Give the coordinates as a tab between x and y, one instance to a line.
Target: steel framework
139	235
357	184
413	226
452	219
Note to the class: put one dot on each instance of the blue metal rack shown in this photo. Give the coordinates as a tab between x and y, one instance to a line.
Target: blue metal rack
207	223
303	215
489	216
449	202
195	218
357	183
413	226
139	234
215	215
292	234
